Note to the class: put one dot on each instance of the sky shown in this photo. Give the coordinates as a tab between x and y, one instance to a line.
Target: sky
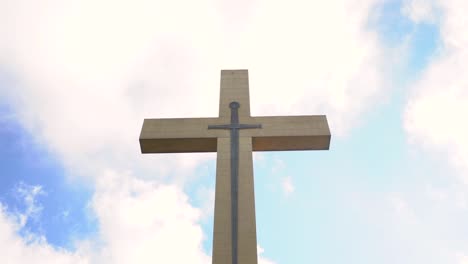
77	78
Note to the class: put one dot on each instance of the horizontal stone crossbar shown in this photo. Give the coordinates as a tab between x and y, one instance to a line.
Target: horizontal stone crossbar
192	134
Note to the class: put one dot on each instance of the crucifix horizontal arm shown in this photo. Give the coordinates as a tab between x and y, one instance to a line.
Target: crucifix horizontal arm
278	133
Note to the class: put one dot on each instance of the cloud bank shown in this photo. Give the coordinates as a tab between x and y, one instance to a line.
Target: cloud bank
80	77
439	101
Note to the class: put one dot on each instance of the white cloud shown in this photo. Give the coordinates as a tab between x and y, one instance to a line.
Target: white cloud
31	247
28	194
139	221
436	110
287	184
207	195
87	73
258	157
278	165
401	209
85	83
333	69
437	195
420	10
463	259
143	222
410	227
261	259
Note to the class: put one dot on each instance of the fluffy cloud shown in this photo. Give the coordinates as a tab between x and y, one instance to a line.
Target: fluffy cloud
31	248
439	101
288	186
144	222
300	66
420	10
16	250
139	221
207	196
28	194
82	75
262	260
434	121
86	73
463	259
402	210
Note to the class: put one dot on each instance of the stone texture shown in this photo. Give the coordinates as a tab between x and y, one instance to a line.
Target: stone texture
193	135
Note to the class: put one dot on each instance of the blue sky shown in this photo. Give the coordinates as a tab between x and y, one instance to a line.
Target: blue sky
77	79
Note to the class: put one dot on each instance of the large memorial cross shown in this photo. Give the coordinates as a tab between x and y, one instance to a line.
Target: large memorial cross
234	135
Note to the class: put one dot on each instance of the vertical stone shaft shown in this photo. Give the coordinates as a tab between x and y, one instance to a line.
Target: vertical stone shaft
234	87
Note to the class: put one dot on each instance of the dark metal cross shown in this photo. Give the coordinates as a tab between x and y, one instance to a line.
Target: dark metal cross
234	128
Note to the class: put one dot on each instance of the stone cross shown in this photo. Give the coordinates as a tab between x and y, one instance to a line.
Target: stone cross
234	135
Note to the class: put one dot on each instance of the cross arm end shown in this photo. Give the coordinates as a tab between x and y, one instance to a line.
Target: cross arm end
291	133
178	135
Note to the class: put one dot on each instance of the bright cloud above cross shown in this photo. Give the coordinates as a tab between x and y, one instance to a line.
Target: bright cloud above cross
80	76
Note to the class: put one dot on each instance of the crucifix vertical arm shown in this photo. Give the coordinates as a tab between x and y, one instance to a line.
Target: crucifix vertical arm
234	127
